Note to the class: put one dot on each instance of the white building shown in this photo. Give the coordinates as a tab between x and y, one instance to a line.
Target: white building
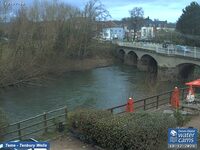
147	32
113	33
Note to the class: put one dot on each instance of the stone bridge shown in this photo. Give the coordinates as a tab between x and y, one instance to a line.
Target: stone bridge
168	63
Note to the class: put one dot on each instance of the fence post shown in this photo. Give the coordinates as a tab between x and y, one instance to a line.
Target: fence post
66	114
157	99
111	110
144	104
19	131
157	48
195	52
168	50
175	50
45	122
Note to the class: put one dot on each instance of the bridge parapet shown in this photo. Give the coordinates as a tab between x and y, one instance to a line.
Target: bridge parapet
172	50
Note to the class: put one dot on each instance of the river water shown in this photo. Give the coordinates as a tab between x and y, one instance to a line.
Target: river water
97	88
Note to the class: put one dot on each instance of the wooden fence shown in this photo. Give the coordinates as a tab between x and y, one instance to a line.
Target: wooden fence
34	126
152	102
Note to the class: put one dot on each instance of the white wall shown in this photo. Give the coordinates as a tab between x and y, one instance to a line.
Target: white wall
147	32
113	33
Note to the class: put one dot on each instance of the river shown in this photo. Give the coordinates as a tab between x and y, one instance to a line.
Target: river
97	88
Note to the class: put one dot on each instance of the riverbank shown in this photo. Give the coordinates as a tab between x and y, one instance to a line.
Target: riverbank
84	64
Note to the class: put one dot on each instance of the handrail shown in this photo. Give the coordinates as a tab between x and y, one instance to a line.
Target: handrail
32	125
34	117
20	128
192	52
144	100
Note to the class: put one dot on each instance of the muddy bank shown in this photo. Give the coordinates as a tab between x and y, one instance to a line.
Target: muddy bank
86	64
67	65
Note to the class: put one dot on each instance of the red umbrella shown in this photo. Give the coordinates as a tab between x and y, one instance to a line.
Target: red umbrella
193	83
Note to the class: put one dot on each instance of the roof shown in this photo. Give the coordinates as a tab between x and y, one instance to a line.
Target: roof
108	24
155	22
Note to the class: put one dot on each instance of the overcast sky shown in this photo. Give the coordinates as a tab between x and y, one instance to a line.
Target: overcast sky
169	10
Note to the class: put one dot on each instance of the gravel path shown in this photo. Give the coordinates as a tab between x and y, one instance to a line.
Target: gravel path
69	143
194	122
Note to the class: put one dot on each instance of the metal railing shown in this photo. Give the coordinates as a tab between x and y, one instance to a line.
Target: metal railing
152	102
34	126
172	50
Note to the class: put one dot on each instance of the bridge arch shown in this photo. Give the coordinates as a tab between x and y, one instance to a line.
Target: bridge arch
148	63
186	70
121	54
131	58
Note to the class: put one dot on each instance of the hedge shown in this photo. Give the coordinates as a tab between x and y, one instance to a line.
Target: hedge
83	121
141	131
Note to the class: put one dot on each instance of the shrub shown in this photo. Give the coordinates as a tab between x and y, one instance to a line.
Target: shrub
179	118
135	131
127	131
82	121
148	132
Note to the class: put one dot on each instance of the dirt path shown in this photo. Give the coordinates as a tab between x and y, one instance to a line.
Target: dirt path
69	143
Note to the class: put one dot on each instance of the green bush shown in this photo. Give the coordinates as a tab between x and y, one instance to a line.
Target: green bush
3	123
135	131
179	118
126	131
148	132
83	121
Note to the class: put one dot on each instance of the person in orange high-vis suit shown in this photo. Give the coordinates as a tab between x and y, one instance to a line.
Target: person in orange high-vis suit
175	99
130	105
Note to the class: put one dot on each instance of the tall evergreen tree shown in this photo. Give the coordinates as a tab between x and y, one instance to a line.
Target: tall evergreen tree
189	23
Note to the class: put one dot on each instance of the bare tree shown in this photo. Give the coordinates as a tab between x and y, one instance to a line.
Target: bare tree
136	19
46	33
94	11
5	8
